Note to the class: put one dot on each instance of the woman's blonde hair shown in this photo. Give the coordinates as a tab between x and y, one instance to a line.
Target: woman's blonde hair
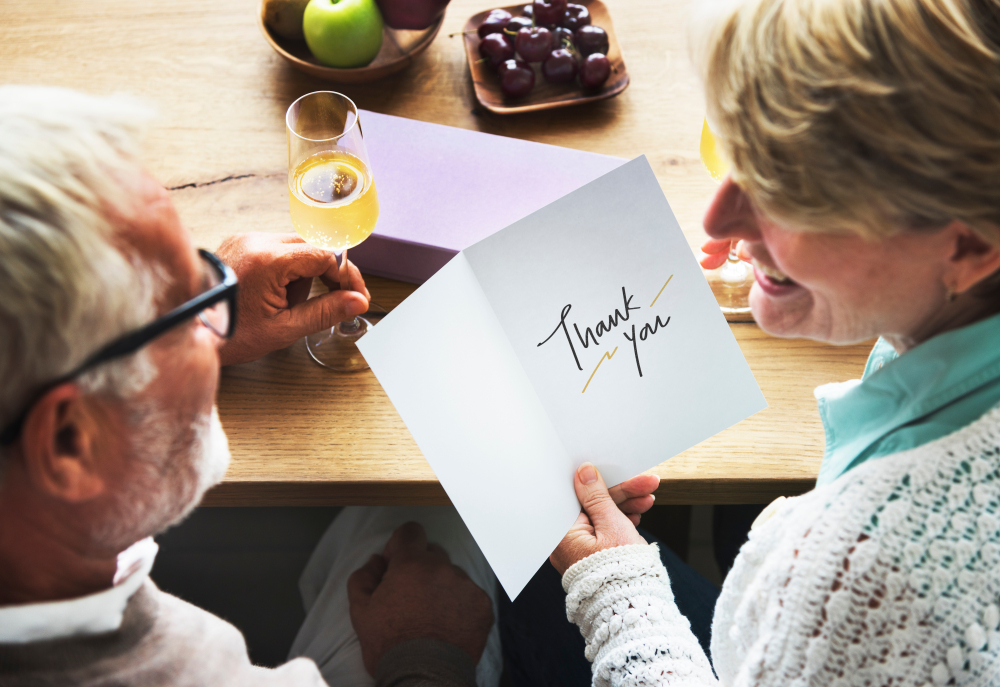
869	116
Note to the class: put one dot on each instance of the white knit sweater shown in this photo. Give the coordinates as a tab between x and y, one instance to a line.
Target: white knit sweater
888	576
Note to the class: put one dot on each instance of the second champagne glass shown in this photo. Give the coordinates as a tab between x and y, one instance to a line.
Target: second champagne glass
731	284
333	202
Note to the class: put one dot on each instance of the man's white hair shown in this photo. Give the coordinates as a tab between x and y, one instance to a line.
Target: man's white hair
66	286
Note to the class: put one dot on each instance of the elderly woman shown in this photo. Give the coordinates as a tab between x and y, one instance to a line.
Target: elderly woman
864	137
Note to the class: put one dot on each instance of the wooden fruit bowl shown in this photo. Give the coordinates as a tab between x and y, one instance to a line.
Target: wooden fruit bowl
399	49
544	95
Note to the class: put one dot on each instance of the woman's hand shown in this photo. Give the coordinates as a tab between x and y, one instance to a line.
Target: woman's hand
717	251
634	496
602	524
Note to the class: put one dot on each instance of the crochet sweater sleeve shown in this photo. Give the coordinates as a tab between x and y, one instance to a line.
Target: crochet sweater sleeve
622	601
889	575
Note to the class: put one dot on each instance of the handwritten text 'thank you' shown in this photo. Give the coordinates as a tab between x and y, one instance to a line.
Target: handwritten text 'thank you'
593	336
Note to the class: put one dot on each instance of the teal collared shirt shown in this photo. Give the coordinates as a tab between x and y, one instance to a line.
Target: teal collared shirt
901	402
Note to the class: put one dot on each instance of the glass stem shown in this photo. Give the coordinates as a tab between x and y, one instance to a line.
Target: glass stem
734	272
345	277
347	326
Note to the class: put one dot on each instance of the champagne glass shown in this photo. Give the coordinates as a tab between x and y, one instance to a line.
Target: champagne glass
731	283
333	203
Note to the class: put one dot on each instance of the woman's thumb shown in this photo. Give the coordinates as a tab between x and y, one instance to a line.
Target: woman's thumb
594	497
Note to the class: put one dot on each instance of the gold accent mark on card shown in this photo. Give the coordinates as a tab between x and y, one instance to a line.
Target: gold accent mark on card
607	356
661	290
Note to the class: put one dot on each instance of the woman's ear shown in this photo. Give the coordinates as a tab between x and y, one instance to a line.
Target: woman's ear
973	258
57	445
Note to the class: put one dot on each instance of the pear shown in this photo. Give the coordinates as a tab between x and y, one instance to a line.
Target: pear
284	17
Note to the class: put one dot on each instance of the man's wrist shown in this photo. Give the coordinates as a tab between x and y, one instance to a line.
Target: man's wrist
425	662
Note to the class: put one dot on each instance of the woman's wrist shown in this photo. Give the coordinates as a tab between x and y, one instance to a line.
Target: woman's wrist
620	562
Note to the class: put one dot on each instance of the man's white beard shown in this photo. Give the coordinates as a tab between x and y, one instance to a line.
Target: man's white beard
210	457
213	453
174	470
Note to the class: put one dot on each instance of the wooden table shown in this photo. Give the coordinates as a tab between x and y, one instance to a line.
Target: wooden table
299	434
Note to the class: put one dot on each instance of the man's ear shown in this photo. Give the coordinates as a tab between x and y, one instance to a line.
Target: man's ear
973	258
58	446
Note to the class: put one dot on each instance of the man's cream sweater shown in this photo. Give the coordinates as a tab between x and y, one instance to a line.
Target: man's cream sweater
166	642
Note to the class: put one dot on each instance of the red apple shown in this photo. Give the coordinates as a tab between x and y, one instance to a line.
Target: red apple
411	14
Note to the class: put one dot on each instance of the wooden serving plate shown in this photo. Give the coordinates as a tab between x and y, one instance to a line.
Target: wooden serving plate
399	49
545	95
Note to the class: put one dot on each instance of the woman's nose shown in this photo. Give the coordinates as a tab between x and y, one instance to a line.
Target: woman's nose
730	214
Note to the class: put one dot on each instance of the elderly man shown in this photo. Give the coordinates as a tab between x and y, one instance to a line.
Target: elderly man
112	331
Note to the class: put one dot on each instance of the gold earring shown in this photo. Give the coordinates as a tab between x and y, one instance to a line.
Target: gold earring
949	294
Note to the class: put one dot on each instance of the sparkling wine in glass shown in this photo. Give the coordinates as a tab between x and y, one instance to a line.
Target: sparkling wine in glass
333	203
730	283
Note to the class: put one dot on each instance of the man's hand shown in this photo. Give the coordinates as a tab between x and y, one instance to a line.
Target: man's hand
600	526
412	591
275	272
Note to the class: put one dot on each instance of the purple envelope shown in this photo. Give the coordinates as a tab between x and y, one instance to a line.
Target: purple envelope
442	189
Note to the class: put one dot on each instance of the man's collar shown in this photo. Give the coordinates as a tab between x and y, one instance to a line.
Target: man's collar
87	615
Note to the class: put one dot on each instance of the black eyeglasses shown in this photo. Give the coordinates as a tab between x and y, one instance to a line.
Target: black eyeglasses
215	308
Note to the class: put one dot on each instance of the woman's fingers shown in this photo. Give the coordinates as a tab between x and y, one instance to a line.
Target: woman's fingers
714	246
742	252
637	506
600	526
716	251
640	485
713	262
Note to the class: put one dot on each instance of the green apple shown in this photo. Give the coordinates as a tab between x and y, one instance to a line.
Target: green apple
343	33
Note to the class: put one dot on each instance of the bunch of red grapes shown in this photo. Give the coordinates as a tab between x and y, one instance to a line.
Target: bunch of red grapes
556	34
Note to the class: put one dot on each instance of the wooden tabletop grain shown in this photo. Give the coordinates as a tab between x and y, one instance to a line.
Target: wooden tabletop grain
301	435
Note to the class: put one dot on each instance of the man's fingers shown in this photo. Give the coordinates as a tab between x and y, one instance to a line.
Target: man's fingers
301	260
439	551
357	282
297	291
322	312
363	581
640	485
408	539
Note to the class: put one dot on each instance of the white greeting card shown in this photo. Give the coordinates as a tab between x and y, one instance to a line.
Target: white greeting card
582	332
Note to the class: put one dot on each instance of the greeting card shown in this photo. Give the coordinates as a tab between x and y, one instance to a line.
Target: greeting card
583	332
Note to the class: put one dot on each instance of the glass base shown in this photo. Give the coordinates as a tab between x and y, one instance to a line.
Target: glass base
337	348
731	285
